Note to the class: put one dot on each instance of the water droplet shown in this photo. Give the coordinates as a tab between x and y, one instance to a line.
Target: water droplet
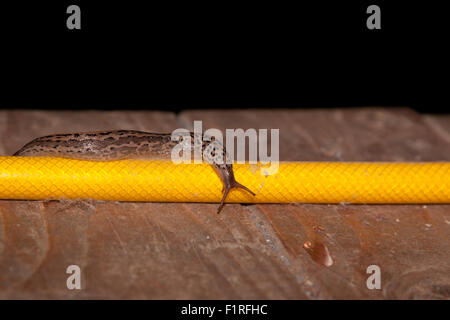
319	253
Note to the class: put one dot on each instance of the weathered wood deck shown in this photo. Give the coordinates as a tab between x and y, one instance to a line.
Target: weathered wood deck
186	251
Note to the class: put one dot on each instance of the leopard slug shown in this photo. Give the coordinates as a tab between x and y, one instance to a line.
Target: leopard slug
119	145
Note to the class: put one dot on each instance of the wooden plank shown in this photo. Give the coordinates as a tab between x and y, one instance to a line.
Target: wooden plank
186	251
361	134
440	125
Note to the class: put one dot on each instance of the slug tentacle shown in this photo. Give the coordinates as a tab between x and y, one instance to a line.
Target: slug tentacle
226	174
227	189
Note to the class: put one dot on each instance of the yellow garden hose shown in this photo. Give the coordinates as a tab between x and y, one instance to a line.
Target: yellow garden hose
164	181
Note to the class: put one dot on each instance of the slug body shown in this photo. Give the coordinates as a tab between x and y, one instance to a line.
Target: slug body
123	144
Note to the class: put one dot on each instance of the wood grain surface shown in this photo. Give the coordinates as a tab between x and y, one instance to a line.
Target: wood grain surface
264	251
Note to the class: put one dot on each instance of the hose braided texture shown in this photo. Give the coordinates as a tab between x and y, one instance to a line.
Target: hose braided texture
163	181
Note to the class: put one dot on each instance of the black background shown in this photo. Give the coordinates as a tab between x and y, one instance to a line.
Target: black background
288	309
177	55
